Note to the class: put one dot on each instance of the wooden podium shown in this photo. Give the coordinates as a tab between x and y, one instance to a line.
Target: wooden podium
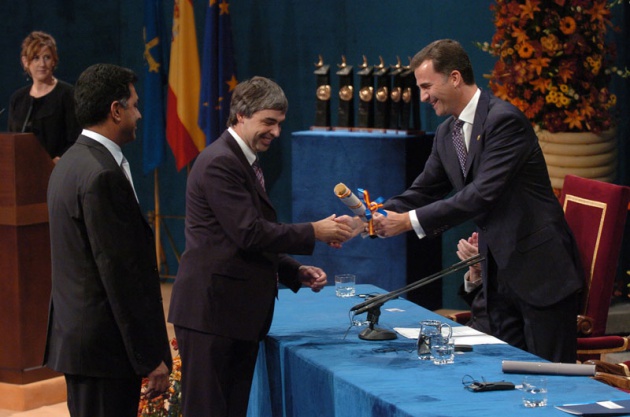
25	269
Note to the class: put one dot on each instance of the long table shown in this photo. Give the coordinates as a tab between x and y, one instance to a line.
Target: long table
312	365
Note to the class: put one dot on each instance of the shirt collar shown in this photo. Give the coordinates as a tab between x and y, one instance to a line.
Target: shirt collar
111	146
468	114
249	154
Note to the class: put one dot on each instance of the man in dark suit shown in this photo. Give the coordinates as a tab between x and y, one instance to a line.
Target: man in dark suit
223	297
532	273
106	321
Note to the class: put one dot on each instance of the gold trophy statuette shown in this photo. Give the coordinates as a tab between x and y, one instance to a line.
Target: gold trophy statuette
322	93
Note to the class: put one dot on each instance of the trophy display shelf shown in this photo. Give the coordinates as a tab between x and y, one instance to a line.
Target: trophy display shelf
387	99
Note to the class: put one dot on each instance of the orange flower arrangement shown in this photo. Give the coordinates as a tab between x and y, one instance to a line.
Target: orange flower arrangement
554	62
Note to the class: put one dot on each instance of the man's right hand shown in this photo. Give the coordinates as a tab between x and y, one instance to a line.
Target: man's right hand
158	380
332	232
357	225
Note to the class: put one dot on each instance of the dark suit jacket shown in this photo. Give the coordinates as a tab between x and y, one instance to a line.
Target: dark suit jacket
508	194
51	118
106	316
235	249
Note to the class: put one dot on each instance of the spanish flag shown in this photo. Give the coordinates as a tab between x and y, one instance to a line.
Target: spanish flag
183	134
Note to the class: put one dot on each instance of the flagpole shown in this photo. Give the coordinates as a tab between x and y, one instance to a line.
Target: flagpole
157	221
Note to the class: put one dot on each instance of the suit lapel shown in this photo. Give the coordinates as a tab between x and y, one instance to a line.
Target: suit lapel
106	157
476	137
233	146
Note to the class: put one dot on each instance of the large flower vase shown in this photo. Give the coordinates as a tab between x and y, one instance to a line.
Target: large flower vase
585	154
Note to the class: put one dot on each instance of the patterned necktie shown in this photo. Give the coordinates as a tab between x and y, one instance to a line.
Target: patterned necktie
460	146
124	164
259	173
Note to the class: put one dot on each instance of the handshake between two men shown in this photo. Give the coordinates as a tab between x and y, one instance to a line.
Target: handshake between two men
335	231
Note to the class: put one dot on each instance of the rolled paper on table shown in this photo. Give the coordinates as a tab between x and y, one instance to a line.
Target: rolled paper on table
546	368
352	201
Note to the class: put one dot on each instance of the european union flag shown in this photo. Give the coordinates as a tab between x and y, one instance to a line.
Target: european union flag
155	80
218	71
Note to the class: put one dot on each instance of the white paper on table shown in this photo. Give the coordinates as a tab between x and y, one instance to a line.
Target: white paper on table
463	335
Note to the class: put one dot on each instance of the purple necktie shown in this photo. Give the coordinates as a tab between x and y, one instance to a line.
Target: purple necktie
460	146
259	173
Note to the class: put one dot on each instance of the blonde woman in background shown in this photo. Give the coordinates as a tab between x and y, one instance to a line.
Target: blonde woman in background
46	107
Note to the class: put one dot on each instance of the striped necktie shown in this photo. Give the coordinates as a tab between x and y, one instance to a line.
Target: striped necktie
259	173
458	142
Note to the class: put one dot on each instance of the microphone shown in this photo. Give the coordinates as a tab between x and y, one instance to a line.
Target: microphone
28	115
2	111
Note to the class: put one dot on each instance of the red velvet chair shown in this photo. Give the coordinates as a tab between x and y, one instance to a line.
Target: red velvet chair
596	212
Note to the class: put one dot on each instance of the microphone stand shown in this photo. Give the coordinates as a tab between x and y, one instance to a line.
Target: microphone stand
28	116
373	305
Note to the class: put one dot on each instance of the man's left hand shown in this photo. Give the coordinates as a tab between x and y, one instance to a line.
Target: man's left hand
313	277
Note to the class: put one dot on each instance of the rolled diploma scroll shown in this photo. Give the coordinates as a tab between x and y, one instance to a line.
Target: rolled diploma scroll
545	368
352	201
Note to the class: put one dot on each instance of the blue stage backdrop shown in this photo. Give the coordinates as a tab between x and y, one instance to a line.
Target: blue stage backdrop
281	39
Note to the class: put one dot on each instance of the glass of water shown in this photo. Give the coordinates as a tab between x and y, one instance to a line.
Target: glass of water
442	349
344	285
534	391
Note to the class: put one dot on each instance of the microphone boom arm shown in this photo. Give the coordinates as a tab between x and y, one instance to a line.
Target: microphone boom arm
383	298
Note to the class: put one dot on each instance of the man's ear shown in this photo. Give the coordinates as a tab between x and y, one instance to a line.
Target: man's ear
115	111
456	78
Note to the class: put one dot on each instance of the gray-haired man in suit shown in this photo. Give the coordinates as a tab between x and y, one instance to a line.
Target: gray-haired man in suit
223	298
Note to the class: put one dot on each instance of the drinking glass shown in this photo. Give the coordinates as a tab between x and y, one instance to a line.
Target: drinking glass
534	391
442	349
344	285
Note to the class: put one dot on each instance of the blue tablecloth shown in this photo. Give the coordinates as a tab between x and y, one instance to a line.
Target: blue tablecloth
307	368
